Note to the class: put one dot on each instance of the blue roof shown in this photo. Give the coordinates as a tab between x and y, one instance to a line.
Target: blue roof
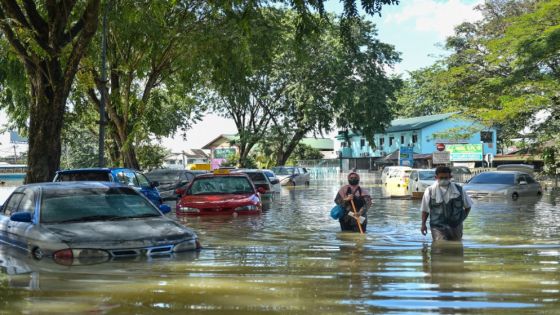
416	123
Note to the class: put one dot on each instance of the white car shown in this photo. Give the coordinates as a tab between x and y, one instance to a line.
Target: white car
419	180
274	180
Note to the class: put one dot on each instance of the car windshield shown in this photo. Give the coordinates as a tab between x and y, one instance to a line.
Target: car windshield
283	170
164	176
84	176
221	185
94	204
427	175
493	178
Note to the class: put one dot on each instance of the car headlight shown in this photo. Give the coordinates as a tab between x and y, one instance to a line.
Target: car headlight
189	209
187	245
247	208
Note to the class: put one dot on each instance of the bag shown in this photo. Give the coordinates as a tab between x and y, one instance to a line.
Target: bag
337	212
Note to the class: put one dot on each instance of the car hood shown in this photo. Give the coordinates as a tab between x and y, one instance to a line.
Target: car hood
283	177
486	187
144	232
210	201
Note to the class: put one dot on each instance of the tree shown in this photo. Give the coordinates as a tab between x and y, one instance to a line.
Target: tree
49	40
425	92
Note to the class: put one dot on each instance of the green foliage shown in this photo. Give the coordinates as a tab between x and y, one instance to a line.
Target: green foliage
151	155
304	152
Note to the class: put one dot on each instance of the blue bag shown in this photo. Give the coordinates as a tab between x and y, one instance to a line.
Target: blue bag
337	212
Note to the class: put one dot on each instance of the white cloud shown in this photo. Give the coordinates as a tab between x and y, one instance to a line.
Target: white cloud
434	16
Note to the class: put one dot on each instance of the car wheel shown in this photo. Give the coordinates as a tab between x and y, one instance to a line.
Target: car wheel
37	253
514	196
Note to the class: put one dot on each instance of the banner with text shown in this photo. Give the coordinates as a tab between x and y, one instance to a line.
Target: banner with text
464	152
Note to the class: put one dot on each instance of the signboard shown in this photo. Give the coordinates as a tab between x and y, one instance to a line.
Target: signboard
440	147
406	156
223	153
465	152
441	157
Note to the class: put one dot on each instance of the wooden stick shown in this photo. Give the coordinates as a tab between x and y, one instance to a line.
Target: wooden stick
356	216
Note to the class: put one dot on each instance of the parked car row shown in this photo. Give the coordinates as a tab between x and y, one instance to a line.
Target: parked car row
512	181
97	214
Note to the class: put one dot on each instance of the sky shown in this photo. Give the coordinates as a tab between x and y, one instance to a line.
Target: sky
417	29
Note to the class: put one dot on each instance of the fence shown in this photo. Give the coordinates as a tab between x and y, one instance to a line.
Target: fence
321	169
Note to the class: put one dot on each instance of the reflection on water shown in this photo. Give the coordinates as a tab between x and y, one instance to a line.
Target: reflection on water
293	258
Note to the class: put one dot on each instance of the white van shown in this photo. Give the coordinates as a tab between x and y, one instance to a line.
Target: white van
389	170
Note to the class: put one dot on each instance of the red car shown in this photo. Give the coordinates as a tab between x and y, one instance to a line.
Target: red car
220	193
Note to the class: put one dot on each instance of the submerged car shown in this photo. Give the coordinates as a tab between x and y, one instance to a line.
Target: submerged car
419	180
509	184
218	193
261	180
78	221
172	182
292	176
125	176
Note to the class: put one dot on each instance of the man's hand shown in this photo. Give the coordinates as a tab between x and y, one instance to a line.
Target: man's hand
424	229
349	197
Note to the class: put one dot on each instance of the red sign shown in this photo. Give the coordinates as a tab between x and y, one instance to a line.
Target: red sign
440	146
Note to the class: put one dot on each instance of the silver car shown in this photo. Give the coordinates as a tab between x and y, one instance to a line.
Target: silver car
77	221
292	175
419	180
511	184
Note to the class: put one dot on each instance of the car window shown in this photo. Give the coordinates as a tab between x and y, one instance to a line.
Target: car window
269	174
187	177
11	205
127	178
164	176
256	176
530	179
142	180
413	176
27	203
493	178
94	204
221	185
427	175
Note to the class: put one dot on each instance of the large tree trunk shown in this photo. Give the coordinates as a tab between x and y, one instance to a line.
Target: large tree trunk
45	128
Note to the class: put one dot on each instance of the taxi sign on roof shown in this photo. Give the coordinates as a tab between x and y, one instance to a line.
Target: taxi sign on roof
221	171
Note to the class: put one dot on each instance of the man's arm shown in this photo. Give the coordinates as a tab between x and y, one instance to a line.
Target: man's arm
424	228
425	208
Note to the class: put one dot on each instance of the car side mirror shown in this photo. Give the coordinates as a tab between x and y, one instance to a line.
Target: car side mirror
261	190
274	181
522	182
154	184
21	217
164	209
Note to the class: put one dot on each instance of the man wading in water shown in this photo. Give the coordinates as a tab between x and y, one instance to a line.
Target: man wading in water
447	205
362	202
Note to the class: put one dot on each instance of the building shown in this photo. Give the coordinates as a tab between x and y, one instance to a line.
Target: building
224	146
468	142
186	158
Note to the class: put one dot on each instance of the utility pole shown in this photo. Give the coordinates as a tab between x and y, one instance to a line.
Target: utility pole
104	89
15	155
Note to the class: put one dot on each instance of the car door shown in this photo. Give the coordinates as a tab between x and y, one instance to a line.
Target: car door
522	185
532	187
413	184
9	208
306	176
19	230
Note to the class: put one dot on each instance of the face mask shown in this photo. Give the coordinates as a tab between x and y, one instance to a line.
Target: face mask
353	181
444	182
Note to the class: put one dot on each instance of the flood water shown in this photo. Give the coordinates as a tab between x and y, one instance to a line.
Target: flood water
293	259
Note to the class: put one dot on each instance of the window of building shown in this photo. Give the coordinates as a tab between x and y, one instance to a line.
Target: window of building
381	141
402	140
391	140
343	144
486	136
362	143
414	138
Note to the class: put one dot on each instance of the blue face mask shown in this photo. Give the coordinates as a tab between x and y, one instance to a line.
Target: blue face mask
444	182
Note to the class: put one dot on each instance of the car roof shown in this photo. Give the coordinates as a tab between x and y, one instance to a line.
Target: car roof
69	185
231	174
94	169
505	172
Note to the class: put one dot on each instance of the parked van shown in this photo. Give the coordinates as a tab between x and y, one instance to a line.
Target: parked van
389	169
397	182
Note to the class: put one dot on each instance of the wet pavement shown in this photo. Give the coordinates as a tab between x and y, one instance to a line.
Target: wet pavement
293	259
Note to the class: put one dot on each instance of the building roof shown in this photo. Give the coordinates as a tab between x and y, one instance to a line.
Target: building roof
405	124
196	154
323	144
416	123
221	139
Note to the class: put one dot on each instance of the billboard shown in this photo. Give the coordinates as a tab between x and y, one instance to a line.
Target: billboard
406	156
223	153
464	152
441	157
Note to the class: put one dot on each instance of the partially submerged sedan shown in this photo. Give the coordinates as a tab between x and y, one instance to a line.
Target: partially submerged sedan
74	222
220	193
509	184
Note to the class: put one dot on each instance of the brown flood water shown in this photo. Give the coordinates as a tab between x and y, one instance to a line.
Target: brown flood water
293	259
